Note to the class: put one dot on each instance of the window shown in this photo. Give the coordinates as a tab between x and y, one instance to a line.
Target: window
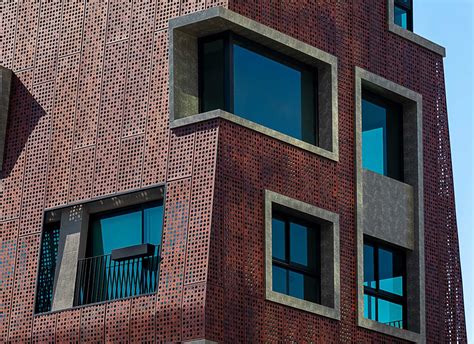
123	228
47	267
384	284
382	136
122	254
258	84
403	14
296	258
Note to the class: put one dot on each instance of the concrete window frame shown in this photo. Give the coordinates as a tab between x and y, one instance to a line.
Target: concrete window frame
74	219
5	89
410	35
330	282
396	214
184	81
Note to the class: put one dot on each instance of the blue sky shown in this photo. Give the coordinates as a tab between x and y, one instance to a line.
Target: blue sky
450	23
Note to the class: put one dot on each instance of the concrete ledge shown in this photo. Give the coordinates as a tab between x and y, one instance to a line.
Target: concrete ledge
5	88
253	126
412	103
183	63
330	263
411	36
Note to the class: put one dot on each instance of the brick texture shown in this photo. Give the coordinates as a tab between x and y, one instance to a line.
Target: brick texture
89	117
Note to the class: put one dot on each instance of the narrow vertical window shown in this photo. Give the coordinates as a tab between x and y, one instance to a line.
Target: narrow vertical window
47	267
384	285
296	258
382	136
403	14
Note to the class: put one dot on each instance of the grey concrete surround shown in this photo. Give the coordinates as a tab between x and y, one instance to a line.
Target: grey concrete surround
388	209
330	280
382	193
411	36
5	88
183	61
74	228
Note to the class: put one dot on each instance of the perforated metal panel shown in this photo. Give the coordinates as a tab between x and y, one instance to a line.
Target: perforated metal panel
89	117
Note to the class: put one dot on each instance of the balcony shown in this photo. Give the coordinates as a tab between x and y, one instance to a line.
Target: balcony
124	273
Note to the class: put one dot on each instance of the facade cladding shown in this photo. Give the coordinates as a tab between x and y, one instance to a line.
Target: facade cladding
103	110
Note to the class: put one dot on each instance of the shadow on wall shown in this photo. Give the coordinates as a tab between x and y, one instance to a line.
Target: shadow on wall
23	115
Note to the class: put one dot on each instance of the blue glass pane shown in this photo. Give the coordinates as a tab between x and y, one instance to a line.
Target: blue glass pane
278	239
390	313
390	272
270	93
115	231
296	285
279	280
369	267
401	17
153	222
374	137
298	244
370	307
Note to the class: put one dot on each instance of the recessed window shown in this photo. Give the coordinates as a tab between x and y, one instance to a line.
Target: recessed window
296	258
122	254
403	14
258	84
384	284
382	136
47	267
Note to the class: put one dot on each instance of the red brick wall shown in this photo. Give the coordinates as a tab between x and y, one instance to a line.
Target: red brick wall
357	33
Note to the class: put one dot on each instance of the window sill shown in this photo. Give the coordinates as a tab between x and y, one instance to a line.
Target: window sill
411	36
303	305
180	122
390	330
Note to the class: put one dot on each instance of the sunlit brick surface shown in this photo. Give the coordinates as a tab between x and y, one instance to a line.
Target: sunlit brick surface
89	117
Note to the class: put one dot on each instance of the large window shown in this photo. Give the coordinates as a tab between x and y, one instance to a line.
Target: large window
122	254
403	14
382	136
384	284
296	258
258	84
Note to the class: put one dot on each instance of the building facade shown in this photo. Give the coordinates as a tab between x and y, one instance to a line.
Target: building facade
225	171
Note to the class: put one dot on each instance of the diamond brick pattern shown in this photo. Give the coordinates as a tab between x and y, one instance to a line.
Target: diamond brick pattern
89	117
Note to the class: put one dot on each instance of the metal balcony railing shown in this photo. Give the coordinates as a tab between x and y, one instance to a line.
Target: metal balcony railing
396	323
102	278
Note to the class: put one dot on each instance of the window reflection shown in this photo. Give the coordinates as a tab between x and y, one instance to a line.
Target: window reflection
384	278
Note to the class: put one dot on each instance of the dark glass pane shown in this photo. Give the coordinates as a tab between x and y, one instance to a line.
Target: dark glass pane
212	79
278	239
298	244
153	223
369	266
114	231
374	137
401	17
390	272
303	286
390	313
370	307
271	93
296	285
47	268
279	280
382	137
